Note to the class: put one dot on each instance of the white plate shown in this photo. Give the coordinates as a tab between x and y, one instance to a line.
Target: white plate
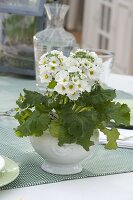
10	172
2	163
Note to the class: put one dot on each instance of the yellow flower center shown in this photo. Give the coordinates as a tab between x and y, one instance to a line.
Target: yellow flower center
44	62
70	87
64	80
46	76
54	61
63	88
91	72
52	68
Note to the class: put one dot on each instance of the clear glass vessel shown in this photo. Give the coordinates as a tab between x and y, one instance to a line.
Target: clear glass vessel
54	37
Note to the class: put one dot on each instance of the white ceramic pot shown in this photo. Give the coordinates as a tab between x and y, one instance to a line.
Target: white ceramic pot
61	160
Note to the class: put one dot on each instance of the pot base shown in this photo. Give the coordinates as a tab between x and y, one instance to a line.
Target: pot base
62	169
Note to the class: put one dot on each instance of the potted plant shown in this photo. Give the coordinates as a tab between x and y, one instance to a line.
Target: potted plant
63	122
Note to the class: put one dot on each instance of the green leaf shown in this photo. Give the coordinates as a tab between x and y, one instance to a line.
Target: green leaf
76	127
112	136
85	143
34	125
98	95
66	138
31	99
79	123
59	131
42	108
119	113
56	129
23	115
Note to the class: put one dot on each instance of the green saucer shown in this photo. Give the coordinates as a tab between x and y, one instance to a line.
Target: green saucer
10	172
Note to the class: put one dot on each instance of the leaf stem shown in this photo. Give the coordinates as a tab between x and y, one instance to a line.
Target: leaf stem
74	107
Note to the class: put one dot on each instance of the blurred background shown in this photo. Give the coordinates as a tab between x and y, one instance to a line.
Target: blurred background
96	24
105	24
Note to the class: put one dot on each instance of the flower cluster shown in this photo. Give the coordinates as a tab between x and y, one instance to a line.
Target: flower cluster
71	75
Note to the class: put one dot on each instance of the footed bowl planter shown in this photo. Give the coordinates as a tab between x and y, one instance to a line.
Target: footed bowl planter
61	160
72	108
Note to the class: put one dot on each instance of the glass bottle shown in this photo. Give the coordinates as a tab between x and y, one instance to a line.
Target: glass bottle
54	37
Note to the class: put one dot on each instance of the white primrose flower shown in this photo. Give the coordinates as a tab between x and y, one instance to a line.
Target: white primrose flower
45	76
61	89
81	50
88	88
57	53
84	63
54	61
72	54
74	96
98	62
41	68
93	55
62	77
71	88
76	79
71	62
94	73
63	61
83	85
43	60
79	60
83	75
53	68
62	58
72	69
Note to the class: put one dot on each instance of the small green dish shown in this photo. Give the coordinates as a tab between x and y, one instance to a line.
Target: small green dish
9	173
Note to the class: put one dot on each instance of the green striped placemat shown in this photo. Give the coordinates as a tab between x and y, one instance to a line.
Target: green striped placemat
104	162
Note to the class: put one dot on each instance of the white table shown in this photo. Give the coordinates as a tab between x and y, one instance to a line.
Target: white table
113	187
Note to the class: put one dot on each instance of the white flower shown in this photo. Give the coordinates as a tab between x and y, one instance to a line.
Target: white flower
76	79
94	73
41	67
53	68
74	96
93	55
71	62
98	62
62	77
83	85
62	58
72	54
56	52
54	61
83	74
43	60
82	50
71	88
84	63
61	89
88	88
45	76
74	69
